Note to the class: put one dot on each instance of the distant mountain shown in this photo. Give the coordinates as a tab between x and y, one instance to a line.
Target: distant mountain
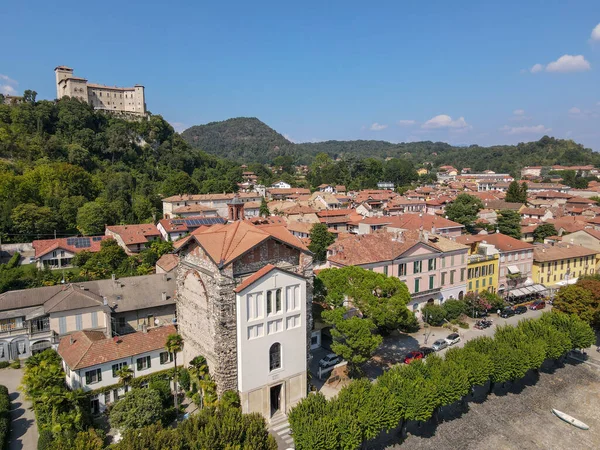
250	140
243	138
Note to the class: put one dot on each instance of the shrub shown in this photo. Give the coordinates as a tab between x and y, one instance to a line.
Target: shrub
139	408
16	364
184	379
434	314
463	325
4	364
4	416
454	308
45	440
163	387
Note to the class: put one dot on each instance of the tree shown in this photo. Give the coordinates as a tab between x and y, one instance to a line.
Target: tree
107	261
139	408
93	217
174	345
464	209
515	193
125	375
320	239
353	338
434	314
33	221
454	308
509	223
264	208
576	299
543	231
29	96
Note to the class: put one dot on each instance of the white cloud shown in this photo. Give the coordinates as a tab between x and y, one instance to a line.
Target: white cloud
569	63
406	123
596	33
574	110
536	68
178	126
377	127
519	112
289	138
445	121
7	86
536	129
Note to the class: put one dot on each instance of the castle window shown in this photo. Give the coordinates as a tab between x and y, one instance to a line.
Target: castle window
274	301
275	357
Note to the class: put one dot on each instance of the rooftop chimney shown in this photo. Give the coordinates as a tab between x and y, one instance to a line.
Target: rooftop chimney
71	340
164	296
144	328
105	301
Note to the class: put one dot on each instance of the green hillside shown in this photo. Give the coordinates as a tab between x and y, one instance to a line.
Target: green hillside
250	140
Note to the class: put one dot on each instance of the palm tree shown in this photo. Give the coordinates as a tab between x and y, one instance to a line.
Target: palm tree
199	367
174	345
125	374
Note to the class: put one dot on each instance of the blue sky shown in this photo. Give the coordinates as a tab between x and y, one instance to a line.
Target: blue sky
462	72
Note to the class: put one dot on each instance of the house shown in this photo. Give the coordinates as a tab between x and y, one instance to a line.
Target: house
330	189
167	263
432	267
435	224
34	319
172	206
133	238
422	171
173	229
252	209
489	215
286	193
541	214
385	185
558	264
482	268
516	260
587	237
194	210
244	302
323	200
59	253
92	360
281	185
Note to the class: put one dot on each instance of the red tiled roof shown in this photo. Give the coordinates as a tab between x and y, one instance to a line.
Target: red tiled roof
44	246
254	277
168	262
501	241
134	234
91	348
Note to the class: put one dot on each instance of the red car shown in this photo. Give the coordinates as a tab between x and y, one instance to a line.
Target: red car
538	305
411	356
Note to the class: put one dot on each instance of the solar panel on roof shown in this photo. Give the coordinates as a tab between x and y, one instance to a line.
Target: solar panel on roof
71	241
96	238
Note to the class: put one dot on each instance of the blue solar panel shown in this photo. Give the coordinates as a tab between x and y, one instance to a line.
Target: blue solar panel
96	238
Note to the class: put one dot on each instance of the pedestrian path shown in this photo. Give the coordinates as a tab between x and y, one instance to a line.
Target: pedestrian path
280	429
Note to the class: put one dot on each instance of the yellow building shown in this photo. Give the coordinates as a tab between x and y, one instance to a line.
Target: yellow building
559	264
422	171
482	268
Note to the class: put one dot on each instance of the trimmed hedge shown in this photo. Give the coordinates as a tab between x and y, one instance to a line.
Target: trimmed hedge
4	416
416	391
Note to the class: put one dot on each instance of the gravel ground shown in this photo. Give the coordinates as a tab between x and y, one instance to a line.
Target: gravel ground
520	417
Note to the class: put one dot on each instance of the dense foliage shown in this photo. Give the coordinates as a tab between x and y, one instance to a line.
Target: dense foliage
543	231
219	429
414	392
516	193
509	223
464	210
320	239
4	416
139	408
581	299
67	168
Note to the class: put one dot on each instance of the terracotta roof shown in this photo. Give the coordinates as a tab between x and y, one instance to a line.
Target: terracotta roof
501	204
413	221
335	212
300	227
581	200
134	234
168	262
45	246
533	211
549	252
551	194
254	277
209	197
368	249
501	241
226	243
288	191
91	348
570	223
193	209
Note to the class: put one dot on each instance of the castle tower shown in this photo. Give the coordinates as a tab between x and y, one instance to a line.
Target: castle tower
236	209
61	72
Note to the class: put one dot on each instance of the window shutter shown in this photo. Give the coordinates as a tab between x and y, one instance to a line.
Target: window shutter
88	377
115	367
148	359
139	364
99	371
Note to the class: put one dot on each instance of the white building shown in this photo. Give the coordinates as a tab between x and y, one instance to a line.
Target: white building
281	185
271	341
91	360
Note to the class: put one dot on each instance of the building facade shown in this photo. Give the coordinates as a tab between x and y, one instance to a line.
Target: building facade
244	297
483	268
559	264
125	100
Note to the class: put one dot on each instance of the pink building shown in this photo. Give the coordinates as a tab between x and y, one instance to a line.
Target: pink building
516	259
432	267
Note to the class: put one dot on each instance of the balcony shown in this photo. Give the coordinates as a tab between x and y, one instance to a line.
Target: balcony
481	258
428	292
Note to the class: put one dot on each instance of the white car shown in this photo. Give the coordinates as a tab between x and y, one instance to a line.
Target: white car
330	360
452	339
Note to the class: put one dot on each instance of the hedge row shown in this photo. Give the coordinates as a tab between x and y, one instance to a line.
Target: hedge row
362	410
4	416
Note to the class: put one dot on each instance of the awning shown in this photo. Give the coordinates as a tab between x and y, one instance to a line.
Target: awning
527	290
513	269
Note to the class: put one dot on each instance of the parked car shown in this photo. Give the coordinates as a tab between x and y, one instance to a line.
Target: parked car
507	312
453	338
539	304
330	360
521	309
440	344
426	351
411	356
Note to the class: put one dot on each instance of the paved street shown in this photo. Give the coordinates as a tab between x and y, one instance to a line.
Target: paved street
24	434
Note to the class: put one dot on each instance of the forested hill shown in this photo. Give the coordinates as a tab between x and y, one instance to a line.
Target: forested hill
250	140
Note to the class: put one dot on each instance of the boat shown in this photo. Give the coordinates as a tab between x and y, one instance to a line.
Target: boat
570	420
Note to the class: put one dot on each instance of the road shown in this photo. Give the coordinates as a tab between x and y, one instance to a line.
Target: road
24	433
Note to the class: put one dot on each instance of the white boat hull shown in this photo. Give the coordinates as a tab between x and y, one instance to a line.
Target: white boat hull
570	420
